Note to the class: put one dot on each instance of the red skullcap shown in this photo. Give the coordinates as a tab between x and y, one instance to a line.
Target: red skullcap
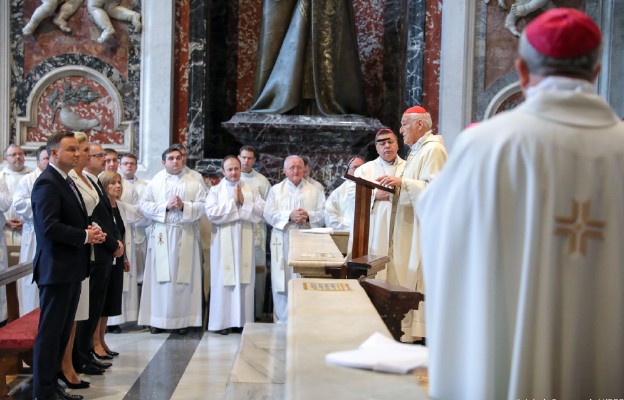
563	33
415	110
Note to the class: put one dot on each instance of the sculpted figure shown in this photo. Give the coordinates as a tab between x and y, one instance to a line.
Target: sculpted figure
519	9
308	61
47	9
102	10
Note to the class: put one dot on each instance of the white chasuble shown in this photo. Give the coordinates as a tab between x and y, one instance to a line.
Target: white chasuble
174	302
283	198
232	267
381	210
522	253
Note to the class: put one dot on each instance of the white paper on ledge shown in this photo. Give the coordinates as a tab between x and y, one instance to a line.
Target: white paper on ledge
318	230
383	354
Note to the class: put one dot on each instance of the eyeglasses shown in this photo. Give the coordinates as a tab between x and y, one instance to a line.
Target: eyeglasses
98	155
15	155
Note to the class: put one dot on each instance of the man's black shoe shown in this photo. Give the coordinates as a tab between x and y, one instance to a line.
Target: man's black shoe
224	332
89	369
154	330
101	364
182	331
62	394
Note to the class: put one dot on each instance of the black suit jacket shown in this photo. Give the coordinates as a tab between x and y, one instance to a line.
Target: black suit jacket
60	222
103	216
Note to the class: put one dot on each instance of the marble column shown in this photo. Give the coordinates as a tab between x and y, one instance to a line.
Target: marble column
197	78
414	53
5	75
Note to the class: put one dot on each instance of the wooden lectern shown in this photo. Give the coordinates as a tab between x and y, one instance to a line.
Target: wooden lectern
361	218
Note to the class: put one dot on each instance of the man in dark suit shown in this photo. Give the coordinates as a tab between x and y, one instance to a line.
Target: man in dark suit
61	260
100	269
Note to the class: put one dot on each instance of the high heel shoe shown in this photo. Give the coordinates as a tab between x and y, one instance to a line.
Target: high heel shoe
101	357
70	385
112	353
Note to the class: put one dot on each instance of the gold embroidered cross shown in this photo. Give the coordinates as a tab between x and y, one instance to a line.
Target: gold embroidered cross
579	227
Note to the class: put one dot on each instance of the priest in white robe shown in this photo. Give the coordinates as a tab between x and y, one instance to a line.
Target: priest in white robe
248	156
522	235
388	163
5	204
426	159
292	204
14	170
27	289
233	207
172	287
340	205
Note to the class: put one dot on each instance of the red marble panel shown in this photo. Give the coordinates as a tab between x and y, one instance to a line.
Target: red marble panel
75	97
501	44
433	36
249	17
369	20
180	71
49	41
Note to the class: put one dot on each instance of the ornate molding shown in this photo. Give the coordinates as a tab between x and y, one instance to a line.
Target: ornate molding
30	118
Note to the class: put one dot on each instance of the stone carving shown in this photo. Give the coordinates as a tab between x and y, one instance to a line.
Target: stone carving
102	10
308	62
519	9
71	97
47	9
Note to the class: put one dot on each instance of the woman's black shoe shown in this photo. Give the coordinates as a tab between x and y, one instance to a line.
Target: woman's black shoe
102	357
113	329
81	385
112	353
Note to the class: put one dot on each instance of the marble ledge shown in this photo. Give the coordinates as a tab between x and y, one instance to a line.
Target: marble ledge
250	120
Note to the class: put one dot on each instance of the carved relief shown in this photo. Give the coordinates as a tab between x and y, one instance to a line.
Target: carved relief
519	9
77	99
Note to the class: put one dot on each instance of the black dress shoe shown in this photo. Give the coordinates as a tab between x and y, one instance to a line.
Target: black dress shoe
225	331
113	329
236	330
112	353
89	369
62	394
101	357
70	385
154	330
101	364
182	331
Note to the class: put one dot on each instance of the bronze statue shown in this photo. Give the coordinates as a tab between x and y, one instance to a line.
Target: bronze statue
308	61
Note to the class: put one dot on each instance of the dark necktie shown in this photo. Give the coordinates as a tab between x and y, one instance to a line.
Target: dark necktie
74	189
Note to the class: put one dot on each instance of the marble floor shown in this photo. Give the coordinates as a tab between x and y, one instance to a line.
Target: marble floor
161	366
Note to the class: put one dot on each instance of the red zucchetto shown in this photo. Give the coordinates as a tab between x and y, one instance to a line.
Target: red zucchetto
563	33
415	110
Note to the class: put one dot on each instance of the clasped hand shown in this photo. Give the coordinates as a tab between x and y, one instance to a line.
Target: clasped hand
298	215
175	203
95	235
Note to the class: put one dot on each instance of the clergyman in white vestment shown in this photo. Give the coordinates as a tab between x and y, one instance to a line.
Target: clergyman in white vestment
522	235
233	207
172	288
388	163
14	170
426	158
5	204
247	156
28	291
340	205
292	204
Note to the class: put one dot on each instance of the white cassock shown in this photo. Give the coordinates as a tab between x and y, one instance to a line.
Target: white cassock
340	207
131	216
131	194
11	179
232	267
425	161
27	289
381	211
283	198
522	254
172	287
262	186
5	204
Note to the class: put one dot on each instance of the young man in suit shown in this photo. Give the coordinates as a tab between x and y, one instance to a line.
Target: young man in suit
61	260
